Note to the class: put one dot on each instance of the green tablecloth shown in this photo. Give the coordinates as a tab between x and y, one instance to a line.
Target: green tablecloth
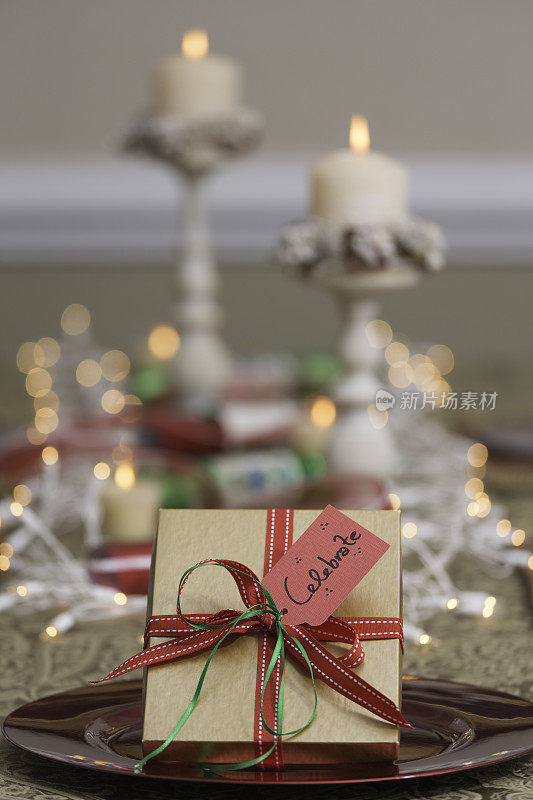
495	652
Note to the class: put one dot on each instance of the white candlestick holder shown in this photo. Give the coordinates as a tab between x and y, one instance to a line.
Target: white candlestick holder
359	443
194	150
356	266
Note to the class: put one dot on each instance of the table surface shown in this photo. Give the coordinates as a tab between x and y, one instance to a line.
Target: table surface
495	653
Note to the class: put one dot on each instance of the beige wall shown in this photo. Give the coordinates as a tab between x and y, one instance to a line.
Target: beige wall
430	74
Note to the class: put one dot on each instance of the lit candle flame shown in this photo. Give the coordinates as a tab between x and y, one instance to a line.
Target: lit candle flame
359	134
125	476
195	44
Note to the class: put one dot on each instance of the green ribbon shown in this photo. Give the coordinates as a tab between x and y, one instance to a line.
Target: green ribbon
279	653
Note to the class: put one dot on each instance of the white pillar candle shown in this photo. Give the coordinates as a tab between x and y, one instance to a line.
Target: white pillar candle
197	85
129	507
355	186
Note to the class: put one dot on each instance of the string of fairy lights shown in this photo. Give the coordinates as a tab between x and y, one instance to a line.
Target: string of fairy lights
424	372
453	529
430	484
446	509
66	377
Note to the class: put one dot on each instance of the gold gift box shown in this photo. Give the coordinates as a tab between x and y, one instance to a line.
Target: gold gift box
221	727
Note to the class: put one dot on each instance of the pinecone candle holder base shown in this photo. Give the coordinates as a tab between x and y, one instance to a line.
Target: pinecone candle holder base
194	150
356	265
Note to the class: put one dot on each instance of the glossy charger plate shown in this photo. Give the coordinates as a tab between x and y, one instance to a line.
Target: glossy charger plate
456	727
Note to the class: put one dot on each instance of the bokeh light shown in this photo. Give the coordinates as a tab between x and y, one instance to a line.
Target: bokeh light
503	528
120	598
22	494
75	319
38	382
483	505
50	455
26	357
488	608
88	372
474	488
47	352
112	401
102	471
379	333
46	420
164	341
400	377
323	412
442	357
396	354
424	374
518	537
115	365
477	454
417	359
409	530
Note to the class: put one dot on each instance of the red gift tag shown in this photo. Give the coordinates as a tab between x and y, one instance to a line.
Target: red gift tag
322	567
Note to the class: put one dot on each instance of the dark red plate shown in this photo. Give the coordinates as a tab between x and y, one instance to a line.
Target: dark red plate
457	727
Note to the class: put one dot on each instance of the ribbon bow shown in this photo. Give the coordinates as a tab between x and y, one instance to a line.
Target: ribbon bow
196	632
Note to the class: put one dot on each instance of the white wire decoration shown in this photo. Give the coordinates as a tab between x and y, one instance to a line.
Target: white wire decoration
436	527
429	487
44	574
68	378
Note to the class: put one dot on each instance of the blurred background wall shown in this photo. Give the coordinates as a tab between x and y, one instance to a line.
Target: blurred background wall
430	75
437	80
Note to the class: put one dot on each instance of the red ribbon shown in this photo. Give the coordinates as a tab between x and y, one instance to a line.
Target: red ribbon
335	671
188	640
